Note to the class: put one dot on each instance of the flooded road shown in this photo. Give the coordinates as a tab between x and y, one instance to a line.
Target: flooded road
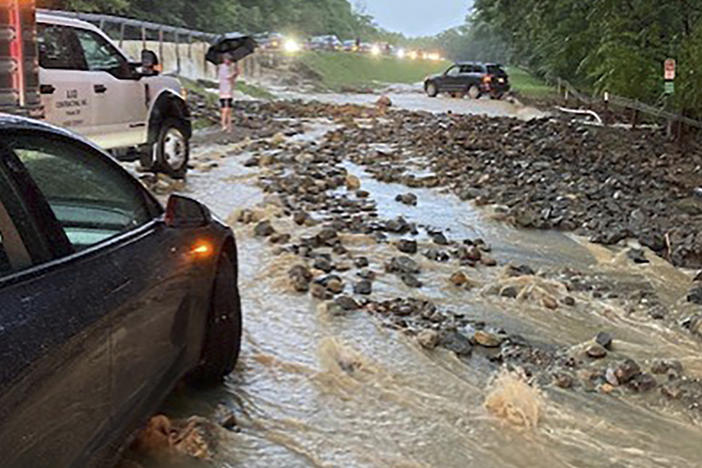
319	387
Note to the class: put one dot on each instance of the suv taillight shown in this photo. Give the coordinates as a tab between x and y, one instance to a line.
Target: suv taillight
487	79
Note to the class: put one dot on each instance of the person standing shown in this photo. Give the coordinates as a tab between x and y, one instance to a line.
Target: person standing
228	73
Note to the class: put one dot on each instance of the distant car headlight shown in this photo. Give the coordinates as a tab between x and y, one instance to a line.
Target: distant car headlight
292	46
401	53
375	50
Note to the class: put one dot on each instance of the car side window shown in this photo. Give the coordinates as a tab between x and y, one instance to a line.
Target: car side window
14	255
59	48
92	200
453	71
99	54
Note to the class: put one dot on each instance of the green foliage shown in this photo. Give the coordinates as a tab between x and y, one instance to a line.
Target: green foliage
604	45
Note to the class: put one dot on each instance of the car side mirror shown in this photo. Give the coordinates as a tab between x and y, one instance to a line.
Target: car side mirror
149	63
184	212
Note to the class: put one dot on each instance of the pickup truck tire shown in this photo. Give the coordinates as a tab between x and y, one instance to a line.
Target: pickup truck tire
222	344
172	148
432	90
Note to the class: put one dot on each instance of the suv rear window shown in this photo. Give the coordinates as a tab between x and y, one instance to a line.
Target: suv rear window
496	70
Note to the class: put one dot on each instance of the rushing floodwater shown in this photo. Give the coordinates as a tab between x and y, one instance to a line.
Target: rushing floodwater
312	389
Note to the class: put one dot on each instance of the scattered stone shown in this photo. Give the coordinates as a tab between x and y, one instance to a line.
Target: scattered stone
300	218
488	261
439	239
364	287
407	199
353	183
487	339
410	280
698	277
662	366
318	291
510	291
279	238
360	262
643	382
335	285
327	236
695	295
301	277
383	102
407	246
549	302
562	380
429	339
626	370
459	344
569	301
367	274
323	263
604	339
637	256
606	388
333	309
264	229
596	351
459	278
225	417
437	255
402	265
521	270
347	303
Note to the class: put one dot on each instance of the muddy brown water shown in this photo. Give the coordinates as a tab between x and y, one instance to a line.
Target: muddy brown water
312	389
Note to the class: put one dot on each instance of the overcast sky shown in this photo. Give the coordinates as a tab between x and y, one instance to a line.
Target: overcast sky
418	17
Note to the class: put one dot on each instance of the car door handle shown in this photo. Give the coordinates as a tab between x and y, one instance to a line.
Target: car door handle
46	89
100	89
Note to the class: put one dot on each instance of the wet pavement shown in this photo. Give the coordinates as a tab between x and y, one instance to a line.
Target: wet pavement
318	387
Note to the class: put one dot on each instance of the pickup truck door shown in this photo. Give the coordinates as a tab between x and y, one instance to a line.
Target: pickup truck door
67	97
119	97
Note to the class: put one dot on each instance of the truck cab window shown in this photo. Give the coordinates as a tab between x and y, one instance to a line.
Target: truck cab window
58	48
100	55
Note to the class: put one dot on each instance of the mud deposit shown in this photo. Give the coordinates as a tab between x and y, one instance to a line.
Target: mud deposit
390	321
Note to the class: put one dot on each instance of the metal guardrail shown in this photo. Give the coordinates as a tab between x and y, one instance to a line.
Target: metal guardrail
626	103
102	20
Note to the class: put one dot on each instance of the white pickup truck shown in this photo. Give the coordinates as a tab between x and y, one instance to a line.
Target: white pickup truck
88	85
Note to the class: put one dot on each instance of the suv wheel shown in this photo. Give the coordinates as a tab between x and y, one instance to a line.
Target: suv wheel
432	90
473	92
172	149
220	350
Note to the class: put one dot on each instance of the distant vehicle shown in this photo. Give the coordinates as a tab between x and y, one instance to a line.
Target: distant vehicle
107	299
85	83
270	41
350	46
328	42
473	79
365	47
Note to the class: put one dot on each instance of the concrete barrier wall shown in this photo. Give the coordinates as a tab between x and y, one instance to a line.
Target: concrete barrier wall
188	60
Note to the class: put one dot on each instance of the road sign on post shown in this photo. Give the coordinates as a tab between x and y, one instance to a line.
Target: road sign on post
669	68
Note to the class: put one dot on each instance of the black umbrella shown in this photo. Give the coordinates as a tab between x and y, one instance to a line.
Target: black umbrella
236	45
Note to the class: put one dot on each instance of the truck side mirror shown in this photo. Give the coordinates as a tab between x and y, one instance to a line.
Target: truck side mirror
149	63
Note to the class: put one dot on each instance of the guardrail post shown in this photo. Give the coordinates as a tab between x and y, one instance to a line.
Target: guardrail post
635	119
160	45
121	34
143	37
177	46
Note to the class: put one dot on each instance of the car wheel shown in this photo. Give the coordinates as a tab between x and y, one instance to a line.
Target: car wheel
220	350
432	90
497	96
173	149
473	92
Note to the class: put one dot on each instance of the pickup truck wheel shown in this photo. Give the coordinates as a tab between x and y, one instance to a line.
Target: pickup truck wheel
173	149
473	92
432	90
220	350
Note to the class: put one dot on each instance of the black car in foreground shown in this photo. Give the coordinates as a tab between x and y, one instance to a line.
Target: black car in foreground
473	79
106	299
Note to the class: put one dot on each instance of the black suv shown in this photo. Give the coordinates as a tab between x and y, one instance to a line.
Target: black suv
472	78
